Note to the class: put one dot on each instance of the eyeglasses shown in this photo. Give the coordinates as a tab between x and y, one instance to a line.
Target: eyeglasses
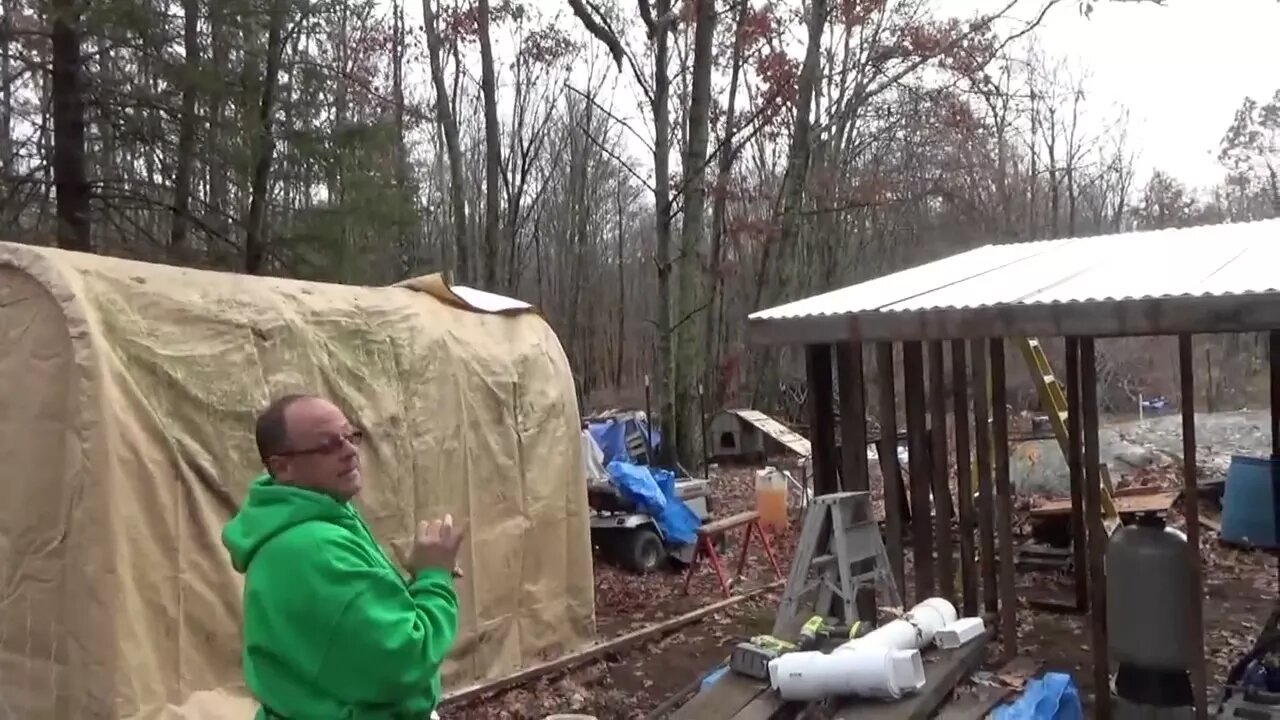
331	446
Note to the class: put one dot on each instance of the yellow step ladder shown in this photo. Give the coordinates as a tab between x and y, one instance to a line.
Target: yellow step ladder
1054	398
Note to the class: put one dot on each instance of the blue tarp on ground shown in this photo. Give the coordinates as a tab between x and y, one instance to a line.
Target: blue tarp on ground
1052	697
611	436
654	492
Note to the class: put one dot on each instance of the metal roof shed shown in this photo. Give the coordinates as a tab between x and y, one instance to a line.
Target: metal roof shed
950	317
1210	278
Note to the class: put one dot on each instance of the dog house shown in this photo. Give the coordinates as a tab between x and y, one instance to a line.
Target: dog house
745	435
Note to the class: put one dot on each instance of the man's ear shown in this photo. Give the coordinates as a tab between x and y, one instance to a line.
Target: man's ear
277	467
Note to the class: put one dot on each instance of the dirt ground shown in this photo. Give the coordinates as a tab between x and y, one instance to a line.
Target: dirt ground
1240	589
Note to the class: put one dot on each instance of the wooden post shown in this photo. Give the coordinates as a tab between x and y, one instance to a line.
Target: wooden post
941	471
1097	533
918	458
1191	513
982	447
1004	502
853	417
821	418
964	479
890	473
1075	464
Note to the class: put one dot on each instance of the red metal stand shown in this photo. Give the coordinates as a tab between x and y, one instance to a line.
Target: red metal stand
706	546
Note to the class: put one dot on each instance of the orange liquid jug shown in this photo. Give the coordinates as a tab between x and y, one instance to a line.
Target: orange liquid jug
771	497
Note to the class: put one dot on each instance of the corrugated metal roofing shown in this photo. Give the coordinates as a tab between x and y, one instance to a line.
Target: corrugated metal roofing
1209	260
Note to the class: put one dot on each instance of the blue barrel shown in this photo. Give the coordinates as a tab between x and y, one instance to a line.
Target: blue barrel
1251	503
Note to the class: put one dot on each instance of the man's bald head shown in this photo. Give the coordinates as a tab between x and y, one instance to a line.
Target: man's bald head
307	441
272	428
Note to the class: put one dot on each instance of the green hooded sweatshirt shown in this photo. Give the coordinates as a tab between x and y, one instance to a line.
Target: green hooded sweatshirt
331	629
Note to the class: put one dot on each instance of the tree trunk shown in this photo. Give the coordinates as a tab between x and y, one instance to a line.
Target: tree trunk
492	151
719	215
622	288
664	364
255	241
792	193
186	133
8	9
449	128
69	179
688	356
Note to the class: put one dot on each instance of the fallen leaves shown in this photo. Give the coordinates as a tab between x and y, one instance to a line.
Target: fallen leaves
628	684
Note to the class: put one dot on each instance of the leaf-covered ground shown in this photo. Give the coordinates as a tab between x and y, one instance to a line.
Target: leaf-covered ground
1240	589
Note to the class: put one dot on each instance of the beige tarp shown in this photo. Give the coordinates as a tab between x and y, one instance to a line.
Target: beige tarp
127	397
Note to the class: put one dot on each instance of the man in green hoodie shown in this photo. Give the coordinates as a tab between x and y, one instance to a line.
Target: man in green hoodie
332	630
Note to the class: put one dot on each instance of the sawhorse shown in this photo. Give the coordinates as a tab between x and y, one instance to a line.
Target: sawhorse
706	545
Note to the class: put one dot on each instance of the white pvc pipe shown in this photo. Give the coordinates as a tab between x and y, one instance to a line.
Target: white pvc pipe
884	663
872	671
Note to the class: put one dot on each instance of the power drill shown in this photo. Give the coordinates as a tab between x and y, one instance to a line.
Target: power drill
817	631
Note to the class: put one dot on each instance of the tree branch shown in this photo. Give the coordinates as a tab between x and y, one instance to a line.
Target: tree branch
601	33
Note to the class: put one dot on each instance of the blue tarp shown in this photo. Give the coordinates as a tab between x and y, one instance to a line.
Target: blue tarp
654	492
1052	697
611	436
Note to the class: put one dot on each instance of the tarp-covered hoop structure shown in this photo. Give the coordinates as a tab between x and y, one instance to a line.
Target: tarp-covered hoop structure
128	396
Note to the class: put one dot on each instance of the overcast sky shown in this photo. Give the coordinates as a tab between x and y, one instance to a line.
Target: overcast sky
1181	70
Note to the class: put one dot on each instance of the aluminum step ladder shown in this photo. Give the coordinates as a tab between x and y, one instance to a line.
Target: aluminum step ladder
853	555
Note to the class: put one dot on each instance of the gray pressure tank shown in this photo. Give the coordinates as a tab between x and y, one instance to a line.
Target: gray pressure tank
1148	616
1148	596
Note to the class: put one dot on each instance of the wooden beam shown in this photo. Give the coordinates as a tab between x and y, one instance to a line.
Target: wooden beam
652	632
723	700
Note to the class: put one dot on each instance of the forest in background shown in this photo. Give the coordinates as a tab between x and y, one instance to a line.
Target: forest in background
781	149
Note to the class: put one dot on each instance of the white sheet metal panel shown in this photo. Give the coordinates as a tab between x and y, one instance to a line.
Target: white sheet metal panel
1209	260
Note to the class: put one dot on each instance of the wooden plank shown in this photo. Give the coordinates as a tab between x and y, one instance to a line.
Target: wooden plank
724	699
617	644
785	436
943	670
1214	524
728	523
974	704
1158	501
768	706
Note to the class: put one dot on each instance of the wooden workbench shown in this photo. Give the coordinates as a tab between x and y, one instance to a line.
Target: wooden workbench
735	697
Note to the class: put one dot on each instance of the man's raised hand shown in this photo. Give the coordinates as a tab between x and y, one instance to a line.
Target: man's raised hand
435	545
